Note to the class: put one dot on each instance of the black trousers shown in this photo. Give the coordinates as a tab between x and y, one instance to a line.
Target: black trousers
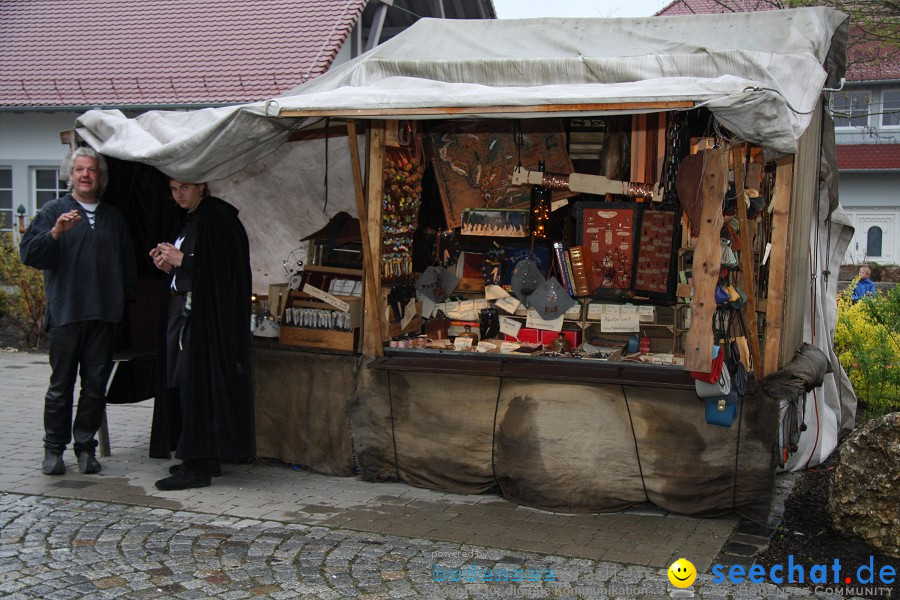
86	349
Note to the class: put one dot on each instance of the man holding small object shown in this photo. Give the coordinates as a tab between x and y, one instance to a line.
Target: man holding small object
206	353
84	248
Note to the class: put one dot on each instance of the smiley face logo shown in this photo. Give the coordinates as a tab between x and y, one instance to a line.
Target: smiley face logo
682	573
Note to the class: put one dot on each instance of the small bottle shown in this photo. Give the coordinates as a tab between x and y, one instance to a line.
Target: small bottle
468	333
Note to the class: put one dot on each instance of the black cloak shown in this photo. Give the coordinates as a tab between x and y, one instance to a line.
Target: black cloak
219	394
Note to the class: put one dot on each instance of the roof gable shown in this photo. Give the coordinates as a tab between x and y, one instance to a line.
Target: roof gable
121	53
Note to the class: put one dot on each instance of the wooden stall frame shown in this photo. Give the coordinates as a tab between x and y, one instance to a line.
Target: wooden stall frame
707	262
747	261
778	263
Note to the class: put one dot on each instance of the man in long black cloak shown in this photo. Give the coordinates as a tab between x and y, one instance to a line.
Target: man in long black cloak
209	411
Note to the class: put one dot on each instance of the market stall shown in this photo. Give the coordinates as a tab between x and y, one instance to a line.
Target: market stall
542	333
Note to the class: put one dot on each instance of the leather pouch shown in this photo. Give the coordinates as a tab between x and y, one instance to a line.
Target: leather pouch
720	387
722	410
716	369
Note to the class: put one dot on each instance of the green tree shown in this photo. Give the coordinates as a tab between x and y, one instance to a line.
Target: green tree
21	294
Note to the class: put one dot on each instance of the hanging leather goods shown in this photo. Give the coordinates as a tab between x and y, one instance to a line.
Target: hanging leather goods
719	387
729	258
715	370
722	410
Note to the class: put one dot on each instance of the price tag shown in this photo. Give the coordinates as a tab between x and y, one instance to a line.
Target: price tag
510	327
507	347
326	297
534	320
493	292
481	305
462	343
620	323
662	359
509	304
595	311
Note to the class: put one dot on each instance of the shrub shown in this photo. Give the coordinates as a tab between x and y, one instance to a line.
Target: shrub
21	294
867	342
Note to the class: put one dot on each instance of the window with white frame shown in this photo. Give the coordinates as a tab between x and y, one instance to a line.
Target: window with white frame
6	199
890	108
851	109
47	186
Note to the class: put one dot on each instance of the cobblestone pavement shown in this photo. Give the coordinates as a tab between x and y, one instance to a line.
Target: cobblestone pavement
58	548
272	531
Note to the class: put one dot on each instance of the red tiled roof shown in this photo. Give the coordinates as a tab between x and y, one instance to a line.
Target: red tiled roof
706	7
122	52
868	156
860	64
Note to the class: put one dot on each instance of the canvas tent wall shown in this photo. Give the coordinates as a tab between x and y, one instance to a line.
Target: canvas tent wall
760	74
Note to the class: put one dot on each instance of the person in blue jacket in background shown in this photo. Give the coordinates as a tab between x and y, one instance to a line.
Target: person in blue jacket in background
865	286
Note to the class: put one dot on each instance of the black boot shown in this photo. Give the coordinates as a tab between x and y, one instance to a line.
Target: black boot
192	474
215	467
53	463
88	463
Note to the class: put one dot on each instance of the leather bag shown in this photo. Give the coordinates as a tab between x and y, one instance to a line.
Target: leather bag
722	410
720	387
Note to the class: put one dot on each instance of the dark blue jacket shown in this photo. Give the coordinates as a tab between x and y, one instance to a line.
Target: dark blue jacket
89	273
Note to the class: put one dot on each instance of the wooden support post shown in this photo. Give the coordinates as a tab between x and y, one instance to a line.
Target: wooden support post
373	315
784	172
662	128
638	147
707	262
747	263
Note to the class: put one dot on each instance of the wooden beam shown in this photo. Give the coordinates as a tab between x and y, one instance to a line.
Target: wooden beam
707	262
662	128
638	147
469	110
374	307
784	172
370	267
747	262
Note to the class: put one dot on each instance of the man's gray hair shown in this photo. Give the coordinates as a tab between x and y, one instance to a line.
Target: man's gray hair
89	152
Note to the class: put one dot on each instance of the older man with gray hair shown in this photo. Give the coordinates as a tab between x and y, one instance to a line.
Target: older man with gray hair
84	248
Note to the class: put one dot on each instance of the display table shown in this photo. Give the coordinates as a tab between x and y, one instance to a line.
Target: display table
302	400
556	434
549	435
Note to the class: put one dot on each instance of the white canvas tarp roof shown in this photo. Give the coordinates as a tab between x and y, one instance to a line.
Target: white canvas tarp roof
761	74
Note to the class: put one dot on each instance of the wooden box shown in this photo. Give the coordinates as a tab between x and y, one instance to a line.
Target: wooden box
312	337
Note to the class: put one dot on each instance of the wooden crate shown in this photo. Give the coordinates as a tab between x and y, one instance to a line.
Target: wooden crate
310	337
326	339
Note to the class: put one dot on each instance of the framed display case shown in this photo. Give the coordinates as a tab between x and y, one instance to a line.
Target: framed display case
656	254
606	231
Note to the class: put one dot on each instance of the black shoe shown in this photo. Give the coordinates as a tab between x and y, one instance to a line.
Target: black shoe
192	474
215	467
53	463
88	463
